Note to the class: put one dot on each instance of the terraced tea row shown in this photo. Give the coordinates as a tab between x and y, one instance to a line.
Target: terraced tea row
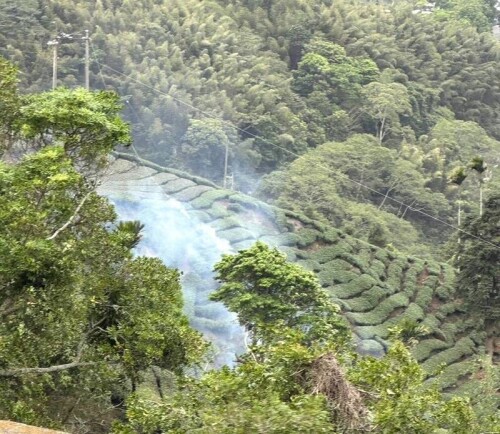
375	288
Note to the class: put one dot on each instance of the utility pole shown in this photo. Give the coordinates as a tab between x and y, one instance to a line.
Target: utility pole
224	185
459	219
62	37
54	44
480	198
87	60
230	178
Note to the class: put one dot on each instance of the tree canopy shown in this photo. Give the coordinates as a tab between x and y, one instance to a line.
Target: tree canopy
378	118
478	261
81	318
274	80
262	287
288	383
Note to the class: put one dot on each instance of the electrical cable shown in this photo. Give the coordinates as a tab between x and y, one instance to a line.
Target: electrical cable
96	60
328	169
105	85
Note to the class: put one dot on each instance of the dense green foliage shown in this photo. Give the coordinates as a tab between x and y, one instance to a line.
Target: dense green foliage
402	399
85	125
379	119
328	194
81	319
263	288
268	81
376	288
479	266
286	383
8	102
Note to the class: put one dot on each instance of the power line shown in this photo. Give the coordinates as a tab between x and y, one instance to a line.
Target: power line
94	57
328	169
105	85
132	109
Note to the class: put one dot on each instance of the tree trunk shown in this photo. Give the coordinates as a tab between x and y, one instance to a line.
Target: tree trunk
381	133
490	339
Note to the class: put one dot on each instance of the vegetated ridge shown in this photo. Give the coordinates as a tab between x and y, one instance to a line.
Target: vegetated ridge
375	288
396	96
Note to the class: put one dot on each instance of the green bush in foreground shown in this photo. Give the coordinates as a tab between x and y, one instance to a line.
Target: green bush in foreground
290	383
401	403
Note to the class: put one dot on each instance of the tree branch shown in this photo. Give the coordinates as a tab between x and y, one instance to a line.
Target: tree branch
75	363
71	219
7	310
22	371
56	368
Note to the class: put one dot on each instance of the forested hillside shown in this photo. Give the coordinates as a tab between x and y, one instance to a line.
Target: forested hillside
358	142
375	288
378	292
271	80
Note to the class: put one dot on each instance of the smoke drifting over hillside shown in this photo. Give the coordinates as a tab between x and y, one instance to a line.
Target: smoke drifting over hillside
173	235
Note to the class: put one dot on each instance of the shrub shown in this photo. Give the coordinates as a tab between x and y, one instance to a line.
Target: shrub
329	236
236	208
444	291
330	253
431	323
370	332
247	202
395	270
378	268
382	255
225	223
357	262
235	235
191	193
433	268
355	287
328	276
310	265
464	347
427	347
217	211
339	265
364	253
448	330
368	301
177	185
452	375
209	197
370	347
290	252
286	239
380	313
447	309
307	236
424	297
413	313
163	177
432	282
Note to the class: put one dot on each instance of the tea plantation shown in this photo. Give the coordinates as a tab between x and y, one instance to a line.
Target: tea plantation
375	288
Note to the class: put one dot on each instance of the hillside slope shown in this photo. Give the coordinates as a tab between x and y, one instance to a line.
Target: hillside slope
376	288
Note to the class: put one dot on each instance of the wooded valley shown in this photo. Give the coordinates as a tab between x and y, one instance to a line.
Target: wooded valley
363	137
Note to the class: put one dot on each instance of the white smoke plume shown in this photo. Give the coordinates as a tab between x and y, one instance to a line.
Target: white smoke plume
173	235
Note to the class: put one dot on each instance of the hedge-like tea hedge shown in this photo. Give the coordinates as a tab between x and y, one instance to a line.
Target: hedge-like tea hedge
376	288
